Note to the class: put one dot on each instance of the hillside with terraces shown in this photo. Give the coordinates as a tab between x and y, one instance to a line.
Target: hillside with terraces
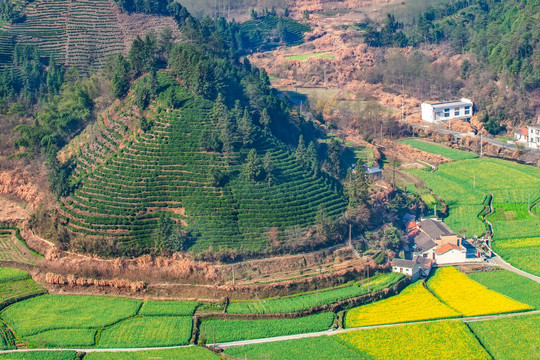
78	33
126	177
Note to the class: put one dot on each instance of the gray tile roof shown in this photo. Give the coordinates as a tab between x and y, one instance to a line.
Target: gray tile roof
435	229
404	263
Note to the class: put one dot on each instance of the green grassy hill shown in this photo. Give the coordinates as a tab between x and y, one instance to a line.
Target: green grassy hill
127	177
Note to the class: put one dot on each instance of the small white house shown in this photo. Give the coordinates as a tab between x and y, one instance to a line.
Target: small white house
534	136
444	111
408	267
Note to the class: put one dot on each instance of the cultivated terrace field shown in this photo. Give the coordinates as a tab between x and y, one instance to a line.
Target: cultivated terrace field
123	189
315	299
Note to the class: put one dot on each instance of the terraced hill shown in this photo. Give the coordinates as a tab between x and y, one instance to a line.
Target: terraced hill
127	177
81	33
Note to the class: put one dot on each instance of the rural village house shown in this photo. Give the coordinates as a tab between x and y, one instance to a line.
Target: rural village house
444	111
529	136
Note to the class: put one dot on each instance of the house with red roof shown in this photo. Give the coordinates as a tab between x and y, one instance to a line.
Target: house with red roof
521	135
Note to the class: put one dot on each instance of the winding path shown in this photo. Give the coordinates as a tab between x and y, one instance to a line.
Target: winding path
287	337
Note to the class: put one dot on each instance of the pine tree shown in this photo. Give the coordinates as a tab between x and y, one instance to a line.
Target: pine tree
312	159
266	121
252	166
334	159
246	129
301	151
120	81
268	166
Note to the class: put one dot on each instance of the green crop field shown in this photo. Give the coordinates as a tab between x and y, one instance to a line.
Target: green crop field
152	331
510	338
12	249
166	168
51	312
7	274
16	284
440	150
305	57
522	253
465	187
64	338
40	355
168	308
7	340
308	301
235	330
188	353
318	348
439	340
510	284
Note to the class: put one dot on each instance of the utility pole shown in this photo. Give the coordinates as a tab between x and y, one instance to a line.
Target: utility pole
481	145
435	211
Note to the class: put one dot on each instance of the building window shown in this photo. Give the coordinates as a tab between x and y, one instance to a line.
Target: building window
467	112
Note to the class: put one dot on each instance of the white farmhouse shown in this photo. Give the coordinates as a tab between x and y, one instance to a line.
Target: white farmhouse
534	136
408	267
444	111
521	135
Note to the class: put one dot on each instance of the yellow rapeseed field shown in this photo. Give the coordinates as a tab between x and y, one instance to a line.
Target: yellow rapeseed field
438	340
467	296
413	304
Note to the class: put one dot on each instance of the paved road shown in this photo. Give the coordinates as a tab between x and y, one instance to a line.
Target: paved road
504	265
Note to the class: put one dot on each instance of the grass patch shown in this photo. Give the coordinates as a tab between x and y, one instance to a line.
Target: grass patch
440	150
151	331
468	297
12	274
320	348
510	338
235	330
441	340
306	57
415	303
510	284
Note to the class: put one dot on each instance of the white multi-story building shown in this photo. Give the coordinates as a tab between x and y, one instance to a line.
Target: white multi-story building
534	136
444	111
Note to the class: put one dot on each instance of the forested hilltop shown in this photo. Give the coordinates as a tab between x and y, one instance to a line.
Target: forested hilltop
501	42
176	144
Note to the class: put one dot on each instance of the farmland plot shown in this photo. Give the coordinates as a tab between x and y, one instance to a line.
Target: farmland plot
51	312
308	301
40	355
469	297
168	308
188	353
522	253
16	285
510	338
235	330
440	150
441	340
318	348
64	338
510	284
415	303
152	331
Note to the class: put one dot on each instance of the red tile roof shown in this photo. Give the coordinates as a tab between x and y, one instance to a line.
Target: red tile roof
411	225
522	131
445	248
